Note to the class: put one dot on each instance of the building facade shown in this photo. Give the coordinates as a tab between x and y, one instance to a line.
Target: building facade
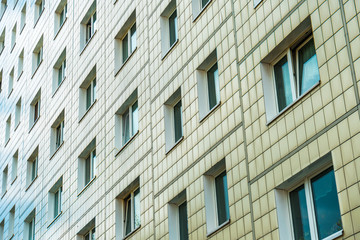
180	119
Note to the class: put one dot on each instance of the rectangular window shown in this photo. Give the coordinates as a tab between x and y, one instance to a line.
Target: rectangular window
132	212
213	86
90	235
17	112
178	220
91	94
14	165
4	180
87	92
2	41
222	200
59	134
31	228
21	64
23	18
39	8
129	43
129	123
178	121
11	223
7	129
59	71
37	55
55	200
3	8
32	167
13	37
62	15
11	81
168	27
90	27
173	28
89	166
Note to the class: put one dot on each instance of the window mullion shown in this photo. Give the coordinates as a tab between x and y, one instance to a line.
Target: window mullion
291	73
310	208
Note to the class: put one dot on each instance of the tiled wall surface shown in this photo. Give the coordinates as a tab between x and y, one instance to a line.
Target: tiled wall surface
260	155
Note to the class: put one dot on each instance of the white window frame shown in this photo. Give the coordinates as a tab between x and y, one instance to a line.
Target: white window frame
88	153
62	72
63	15
37	55
35	107
166	45
92	87
59	134
31	228
198	7
90	81
59	71
132	220
90	234
92	162
130	48
32	167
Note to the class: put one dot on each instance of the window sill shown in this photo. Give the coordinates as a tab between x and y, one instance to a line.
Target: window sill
3	195
20	75
12	48
202	10
37	67
210	111
12	182
87	43
132	232
30	184
83	116
175	144
227	222
10	93
292	104
87	186
55	218
16	127
57	88
61	26
57	149
34	124
127	143
7	141
21	30
335	235
170	49
37	20
123	64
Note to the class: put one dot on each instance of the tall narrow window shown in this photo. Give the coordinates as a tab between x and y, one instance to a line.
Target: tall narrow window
2	41
88	92
17	112
3	8
129	43
55	200
7	129
91	94
178	220
129	122
39	8
89	166
14	166
62	15
20	64
169	27
36	111
57	133
222	200
32	167
31	229
11	222
132	212
90	27
59	71
37	55
13	37
173	28
23	18
4	180
213	86
11	81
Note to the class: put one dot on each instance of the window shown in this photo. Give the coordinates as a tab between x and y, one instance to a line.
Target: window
87	92
23	18
39	8
32	167
288	75
178	223
21	64
37	55
173	120
87	166
2	229
90	235
57	133
216	197
55	203
7	129
17	112
3	8
35	109
88	26
11	81
2	41
128	210
312	208
88	232
169	27
59	72
14	165
11	223
125	41
208	85
29	226
60	15
13	37
4	180
199	6
126	121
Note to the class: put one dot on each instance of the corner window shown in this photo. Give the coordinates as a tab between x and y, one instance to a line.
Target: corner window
17	112
87	92
39	8
57	133
87	165
14	167
169	27
216	197
208	85
55	200
2	41
35	109
4	180
178	220
60	15
37	55
127	121
173	120
88	26
11	81
59	70
32	167
23	18
125	41
29	226
7	129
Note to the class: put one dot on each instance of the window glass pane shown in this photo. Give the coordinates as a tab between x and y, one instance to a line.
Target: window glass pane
326	204
125	126
135	118
88	97
128	216
308	67
137	208
31	234
56	203
133	38
93	234
203	3
125	45
93	91
33	170
173	28
87	170
213	86
299	214
282	82
177	121
87	236
222	200
183	222
93	162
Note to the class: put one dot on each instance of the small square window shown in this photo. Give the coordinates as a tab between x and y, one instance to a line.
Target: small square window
11	82
4	180
216	197
57	133
87	93
3	8
39	8
35	109
32	167
125	41
198	6
17	112
29	226
88	26
87	166
126	121
178	220
2	41
13	37
128	210
312	207
173	120
23	18
20	64
59	72
169	27
60	15
37	55
208	85
14	167
55	200
11	222
7	129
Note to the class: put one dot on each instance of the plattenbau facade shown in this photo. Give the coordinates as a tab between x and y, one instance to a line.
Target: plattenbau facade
180	119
